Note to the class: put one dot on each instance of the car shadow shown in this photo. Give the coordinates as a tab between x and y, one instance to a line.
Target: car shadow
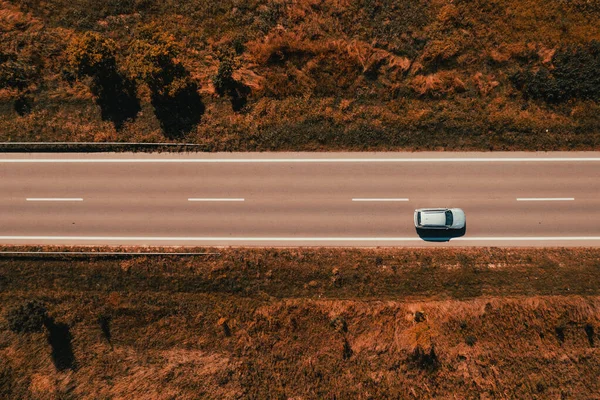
440	235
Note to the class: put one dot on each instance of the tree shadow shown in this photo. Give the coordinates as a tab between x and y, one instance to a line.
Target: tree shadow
104	322
177	104
23	105
180	112
440	235
59	338
116	96
238	93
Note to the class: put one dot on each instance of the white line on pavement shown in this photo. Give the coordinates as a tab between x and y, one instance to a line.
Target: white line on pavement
54	199
297	160
297	239
214	199
545	198
381	199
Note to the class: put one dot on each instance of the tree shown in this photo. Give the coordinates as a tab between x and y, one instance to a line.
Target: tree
175	98
94	56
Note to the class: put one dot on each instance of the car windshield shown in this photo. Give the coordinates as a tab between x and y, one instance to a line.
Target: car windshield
449	219
419	218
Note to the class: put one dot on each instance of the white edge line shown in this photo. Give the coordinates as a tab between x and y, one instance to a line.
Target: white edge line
214	199
545	198
300	160
54	199
297	239
380	199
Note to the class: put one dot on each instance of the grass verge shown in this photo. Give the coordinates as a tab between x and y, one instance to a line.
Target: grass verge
305	323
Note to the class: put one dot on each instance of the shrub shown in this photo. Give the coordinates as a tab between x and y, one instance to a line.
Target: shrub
29	317
471	340
339	324
15	73
238	45
420	316
225	84
224	78
576	75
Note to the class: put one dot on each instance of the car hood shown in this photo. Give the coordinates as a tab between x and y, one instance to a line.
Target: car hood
459	218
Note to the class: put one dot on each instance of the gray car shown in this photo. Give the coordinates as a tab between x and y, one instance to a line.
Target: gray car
440	218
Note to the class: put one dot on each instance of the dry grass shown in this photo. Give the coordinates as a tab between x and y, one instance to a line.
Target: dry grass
310	323
419	75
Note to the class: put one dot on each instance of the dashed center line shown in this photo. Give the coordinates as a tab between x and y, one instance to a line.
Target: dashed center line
545	198
380	199
215	199
54	199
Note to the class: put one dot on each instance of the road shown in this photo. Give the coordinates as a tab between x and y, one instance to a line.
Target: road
298	199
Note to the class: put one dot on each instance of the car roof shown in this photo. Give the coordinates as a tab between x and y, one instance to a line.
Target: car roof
433	217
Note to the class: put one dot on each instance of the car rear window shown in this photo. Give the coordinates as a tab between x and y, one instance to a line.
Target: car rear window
449	219
419	218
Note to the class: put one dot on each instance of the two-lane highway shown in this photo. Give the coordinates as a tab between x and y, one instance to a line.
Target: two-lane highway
297	199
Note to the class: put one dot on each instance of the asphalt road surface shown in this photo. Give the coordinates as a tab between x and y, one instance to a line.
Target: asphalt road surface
298	199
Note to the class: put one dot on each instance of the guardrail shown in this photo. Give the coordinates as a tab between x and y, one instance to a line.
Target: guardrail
100	253
89	147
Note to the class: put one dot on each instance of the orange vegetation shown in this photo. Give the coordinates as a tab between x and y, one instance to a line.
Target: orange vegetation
308	323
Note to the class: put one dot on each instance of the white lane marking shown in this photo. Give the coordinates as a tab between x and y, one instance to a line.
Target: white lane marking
298	239
214	199
380	199
300	160
54	199
545	198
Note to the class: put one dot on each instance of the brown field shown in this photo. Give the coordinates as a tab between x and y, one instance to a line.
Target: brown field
313	75
307	324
